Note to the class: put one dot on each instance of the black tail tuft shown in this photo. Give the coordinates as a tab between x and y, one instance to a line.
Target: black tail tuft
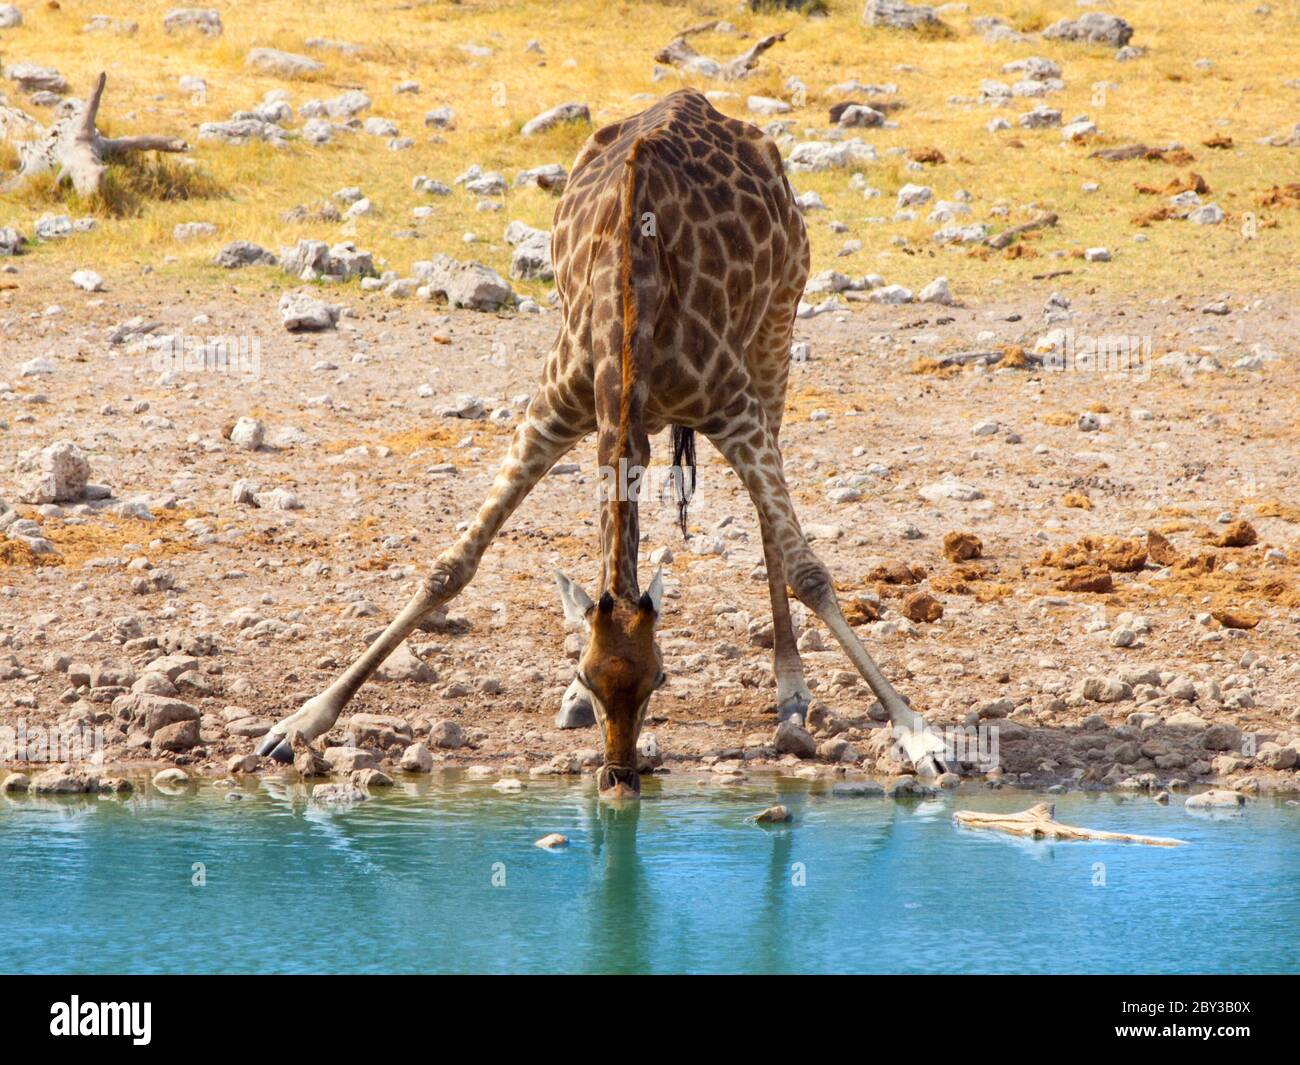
683	461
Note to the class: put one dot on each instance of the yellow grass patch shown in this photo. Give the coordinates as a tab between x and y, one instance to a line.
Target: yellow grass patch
1274	508
589	55
107	534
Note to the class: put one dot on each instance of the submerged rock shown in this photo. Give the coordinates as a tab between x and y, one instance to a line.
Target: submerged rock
338	794
773	815
1217	799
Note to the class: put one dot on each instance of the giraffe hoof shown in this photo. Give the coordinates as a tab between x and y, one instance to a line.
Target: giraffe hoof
794	707
930	768
276	747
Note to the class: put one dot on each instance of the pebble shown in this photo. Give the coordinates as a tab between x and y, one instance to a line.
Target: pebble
773	815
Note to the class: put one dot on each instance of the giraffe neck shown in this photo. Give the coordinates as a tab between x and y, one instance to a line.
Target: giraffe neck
631	451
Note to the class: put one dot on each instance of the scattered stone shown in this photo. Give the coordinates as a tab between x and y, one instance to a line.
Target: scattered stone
87	281
792	738
178	736
31	78
556	116
440	118
301	312
63	780
185	231
1040	118
242	130
531	260
282	64
899	16
937	291
857	789
446	733
248	433
1106	690
470	284
1091	28
58	474
417	759
1222	737
404	665
206	21
240	253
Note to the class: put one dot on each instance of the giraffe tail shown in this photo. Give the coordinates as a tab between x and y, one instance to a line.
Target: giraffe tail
683	467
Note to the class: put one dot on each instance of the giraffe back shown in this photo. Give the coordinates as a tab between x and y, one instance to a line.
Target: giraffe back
717	250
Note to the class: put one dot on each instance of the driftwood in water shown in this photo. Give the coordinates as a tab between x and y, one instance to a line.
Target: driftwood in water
74	149
1039	822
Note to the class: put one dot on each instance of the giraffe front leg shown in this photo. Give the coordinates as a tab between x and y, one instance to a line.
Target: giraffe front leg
923	745
792	695
318	714
754	456
538	444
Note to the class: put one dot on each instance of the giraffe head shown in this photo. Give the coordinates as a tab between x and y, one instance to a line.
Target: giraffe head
620	668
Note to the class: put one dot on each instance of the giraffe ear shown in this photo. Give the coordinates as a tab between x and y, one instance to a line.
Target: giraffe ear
653	597
576	602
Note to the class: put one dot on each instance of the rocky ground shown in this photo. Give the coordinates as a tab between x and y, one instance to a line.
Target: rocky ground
1124	610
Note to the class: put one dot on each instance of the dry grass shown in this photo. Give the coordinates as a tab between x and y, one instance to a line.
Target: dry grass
601	53
106	536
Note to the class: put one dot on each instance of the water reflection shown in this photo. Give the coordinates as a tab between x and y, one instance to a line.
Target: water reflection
681	881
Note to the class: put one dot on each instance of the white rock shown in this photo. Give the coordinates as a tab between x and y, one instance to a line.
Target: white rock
767	105
88	280
892	294
58	474
248	433
302	312
556	116
937	291
949	489
914	195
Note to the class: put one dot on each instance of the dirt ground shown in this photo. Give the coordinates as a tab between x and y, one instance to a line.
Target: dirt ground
1185	444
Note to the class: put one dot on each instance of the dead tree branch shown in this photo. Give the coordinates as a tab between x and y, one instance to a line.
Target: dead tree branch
74	149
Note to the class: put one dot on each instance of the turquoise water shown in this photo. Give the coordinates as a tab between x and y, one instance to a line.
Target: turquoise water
444	877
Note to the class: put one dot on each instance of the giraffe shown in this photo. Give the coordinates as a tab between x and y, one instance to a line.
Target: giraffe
680	258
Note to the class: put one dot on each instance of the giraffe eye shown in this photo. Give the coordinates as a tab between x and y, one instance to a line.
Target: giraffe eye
661	680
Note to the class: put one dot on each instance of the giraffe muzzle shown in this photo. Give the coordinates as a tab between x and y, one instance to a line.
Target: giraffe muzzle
618	782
